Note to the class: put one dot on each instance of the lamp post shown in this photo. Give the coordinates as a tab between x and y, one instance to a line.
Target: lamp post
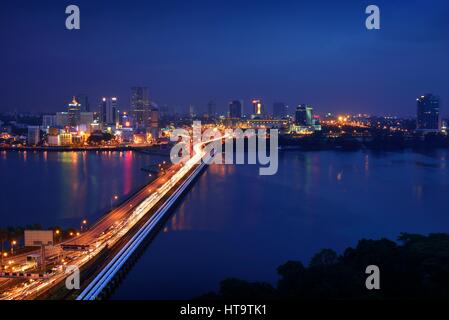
83	225
113	199
13	243
58	233
4	255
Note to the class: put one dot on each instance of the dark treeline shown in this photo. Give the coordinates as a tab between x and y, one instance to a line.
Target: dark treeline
417	267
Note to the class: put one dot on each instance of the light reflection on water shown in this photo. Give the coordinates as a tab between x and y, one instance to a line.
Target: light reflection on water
235	223
62	187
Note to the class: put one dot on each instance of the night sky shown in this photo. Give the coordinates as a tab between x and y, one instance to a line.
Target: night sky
191	52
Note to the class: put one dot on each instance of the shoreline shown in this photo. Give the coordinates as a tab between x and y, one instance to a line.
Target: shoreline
78	149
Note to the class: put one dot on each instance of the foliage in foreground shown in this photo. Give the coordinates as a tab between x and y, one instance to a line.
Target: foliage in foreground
417	267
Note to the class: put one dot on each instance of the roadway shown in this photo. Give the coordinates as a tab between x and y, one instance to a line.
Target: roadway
106	232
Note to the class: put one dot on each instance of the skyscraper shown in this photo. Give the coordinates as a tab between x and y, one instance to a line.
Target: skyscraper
428	113
83	100
34	133
114	111
154	122
257	108
109	111
280	110
48	120
140	106
304	115
74	110
236	109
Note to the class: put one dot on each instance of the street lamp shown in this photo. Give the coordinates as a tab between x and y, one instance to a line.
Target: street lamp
58	233
113	199
13	243
83	224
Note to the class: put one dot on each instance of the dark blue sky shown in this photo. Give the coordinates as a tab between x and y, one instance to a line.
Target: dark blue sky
190	52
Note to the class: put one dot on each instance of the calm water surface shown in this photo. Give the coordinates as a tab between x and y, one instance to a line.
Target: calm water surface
62	188
233	222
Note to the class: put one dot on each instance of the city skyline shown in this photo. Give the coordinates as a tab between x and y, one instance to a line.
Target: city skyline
303	54
210	151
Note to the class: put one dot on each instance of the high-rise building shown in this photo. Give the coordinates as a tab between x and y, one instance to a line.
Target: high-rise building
304	115
191	111
83	100
140	106
280	110
211	111
236	109
34	135
62	119
113	112
109	111
154	122
86	118
428	113
48	120
258	109
74	110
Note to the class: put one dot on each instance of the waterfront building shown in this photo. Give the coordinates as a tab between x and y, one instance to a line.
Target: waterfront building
428	114
65	139
74	110
304	115
258	109
34	135
305	122
53	140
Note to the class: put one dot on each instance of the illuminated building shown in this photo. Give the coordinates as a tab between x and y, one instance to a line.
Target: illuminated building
140	106
305	121
65	139
236	109
34	135
304	115
109	111
257	108
53	140
428	114
140	138
74	110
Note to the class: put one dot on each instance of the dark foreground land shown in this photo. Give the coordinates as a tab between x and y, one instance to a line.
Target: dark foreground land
417	267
